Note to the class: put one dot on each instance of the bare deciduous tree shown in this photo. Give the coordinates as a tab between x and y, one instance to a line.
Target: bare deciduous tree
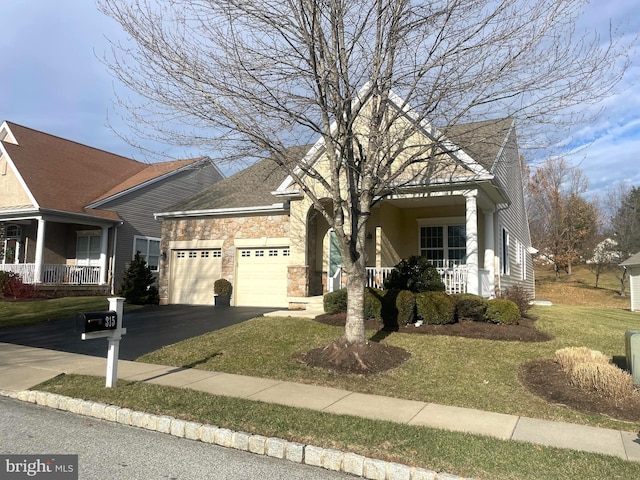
253	77
563	224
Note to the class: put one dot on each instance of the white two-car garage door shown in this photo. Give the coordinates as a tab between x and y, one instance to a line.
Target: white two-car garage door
261	276
193	273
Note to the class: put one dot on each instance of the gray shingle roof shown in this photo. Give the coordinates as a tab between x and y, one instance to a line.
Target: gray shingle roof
481	140
252	186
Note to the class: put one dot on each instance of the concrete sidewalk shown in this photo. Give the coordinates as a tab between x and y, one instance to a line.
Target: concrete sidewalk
23	367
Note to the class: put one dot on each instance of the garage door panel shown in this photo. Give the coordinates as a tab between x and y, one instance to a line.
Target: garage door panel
262	277
193	273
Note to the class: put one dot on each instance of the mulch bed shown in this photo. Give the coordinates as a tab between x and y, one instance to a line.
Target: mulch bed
525	331
543	378
548	381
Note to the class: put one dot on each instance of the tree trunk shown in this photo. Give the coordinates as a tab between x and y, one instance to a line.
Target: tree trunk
623	283
356	284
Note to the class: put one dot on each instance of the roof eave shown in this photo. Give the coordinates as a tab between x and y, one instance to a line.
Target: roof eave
217	212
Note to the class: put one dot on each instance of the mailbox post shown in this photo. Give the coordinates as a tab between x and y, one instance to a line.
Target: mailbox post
106	325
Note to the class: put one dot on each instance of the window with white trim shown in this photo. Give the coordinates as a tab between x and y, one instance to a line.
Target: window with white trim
88	248
444	245
149	249
506	266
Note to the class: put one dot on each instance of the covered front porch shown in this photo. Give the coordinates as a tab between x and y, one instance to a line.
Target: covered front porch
453	229
57	250
454	279
52	274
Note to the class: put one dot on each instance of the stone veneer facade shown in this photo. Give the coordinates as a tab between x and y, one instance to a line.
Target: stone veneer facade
228	230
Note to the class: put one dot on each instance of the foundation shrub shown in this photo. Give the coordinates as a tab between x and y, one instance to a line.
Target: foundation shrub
373	299
470	307
502	311
12	286
415	274
435	308
518	295
335	302
406	307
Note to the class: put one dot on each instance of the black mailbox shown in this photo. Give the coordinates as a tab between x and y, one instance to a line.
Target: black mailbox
96	321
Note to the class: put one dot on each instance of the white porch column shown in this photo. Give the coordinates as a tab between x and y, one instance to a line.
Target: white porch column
472	241
489	251
103	255
39	263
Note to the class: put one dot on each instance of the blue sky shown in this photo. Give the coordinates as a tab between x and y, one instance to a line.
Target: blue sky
52	80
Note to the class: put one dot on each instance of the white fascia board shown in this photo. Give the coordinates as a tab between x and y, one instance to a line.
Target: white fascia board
274	208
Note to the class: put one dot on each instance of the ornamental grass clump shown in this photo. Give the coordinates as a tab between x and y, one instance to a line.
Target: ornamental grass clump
593	371
606	380
569	357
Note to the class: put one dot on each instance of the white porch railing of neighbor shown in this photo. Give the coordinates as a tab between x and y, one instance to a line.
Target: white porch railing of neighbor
56	274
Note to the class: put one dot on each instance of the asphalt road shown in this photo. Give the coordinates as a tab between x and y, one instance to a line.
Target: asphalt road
148	329
118	452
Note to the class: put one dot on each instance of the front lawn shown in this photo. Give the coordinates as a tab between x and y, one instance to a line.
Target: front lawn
462	454
27	312
464	372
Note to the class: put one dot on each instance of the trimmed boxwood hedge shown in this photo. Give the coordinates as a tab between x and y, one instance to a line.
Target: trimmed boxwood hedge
335	302
436	308
470	307
502	311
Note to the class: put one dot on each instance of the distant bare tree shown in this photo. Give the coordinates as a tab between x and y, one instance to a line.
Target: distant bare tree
563	224
249	78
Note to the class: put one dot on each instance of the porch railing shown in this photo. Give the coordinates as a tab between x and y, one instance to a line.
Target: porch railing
53	274
454	279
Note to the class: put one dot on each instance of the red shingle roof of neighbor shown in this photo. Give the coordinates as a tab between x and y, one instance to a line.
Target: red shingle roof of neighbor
67	176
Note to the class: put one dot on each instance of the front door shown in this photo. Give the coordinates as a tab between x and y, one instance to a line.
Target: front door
334	270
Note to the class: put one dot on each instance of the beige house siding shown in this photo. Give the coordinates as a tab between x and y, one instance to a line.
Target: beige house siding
190	233
12	193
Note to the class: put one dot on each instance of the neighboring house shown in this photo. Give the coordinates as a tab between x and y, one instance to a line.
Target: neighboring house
73	215
260	232
632	264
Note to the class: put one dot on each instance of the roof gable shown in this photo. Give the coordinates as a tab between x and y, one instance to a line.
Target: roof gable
473	148
67	176
62	174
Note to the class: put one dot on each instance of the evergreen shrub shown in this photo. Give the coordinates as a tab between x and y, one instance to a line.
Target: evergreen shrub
335	302
502	311
138	283
436	308
415	274
470	306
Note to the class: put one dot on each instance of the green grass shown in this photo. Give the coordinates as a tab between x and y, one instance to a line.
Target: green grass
461	454
28	312
470	373
449	370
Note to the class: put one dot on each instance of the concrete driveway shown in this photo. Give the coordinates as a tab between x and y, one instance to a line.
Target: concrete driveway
148	329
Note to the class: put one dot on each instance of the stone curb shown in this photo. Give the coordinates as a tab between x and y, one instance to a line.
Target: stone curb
329	459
